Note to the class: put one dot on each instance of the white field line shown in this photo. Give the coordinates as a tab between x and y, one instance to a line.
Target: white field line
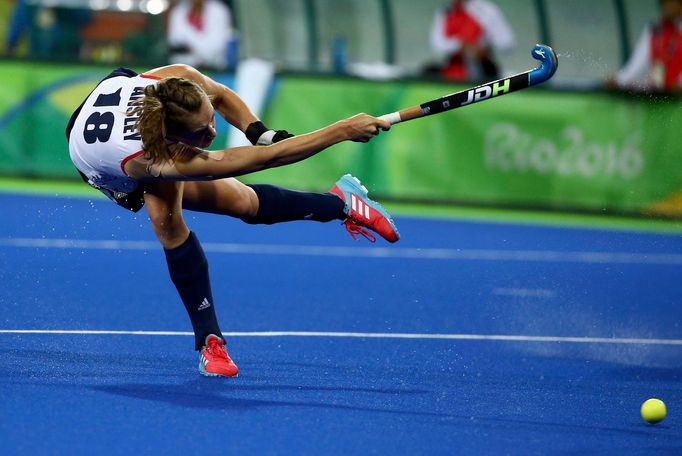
361	335
548	256
524	292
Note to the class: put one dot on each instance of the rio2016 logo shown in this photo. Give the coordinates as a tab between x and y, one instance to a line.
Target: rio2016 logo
487	91
570	153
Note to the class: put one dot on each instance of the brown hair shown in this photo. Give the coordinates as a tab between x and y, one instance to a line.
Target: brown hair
166	107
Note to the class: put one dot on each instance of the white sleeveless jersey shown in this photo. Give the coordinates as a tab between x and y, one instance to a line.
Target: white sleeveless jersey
104	138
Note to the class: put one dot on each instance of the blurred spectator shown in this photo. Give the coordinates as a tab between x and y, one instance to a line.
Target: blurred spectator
467	33
18	22
656	62
199	32
52	32
130	37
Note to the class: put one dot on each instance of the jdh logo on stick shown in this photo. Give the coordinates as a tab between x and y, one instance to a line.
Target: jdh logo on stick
484	92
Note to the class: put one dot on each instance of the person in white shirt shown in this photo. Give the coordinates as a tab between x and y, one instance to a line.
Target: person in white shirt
467	33
199	32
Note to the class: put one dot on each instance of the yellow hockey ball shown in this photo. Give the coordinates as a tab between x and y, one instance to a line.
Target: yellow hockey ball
653	411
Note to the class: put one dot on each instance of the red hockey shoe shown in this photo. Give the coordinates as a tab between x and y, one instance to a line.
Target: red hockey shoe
214	360
363	212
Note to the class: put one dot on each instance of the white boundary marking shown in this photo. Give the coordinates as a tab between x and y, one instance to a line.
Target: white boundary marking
549	256
361	335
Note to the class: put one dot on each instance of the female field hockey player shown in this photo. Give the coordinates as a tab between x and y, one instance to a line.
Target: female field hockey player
140	139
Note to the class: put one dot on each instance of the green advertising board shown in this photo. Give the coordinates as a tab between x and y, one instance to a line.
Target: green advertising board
538	148
35	104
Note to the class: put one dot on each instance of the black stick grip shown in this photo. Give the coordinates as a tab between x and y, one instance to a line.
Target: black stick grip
476	94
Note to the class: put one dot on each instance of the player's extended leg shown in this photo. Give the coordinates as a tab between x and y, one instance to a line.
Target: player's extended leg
268	204
260	204
188	270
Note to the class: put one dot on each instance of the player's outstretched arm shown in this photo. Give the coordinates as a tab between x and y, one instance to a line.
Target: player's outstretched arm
243	160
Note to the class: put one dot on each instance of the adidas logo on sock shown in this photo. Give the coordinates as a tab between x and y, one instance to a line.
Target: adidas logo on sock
204	304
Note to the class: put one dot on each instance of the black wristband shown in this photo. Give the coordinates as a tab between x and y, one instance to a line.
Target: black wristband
254	131
281	135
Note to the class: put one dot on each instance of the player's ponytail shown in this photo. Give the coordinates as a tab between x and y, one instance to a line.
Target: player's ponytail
165	108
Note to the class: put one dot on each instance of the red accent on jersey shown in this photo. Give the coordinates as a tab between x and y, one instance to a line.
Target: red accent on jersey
196	18
149	76
129	157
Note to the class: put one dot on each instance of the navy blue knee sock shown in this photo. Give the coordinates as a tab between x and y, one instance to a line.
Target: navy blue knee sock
277	204
188	270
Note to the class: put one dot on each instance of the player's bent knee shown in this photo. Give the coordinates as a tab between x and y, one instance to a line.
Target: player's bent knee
169	232
246	205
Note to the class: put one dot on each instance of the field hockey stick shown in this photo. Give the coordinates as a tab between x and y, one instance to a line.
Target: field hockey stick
548	66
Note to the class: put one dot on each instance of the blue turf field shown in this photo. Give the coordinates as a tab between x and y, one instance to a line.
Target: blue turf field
595	318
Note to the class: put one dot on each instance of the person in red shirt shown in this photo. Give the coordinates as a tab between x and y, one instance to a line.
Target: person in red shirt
656	62
467	33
